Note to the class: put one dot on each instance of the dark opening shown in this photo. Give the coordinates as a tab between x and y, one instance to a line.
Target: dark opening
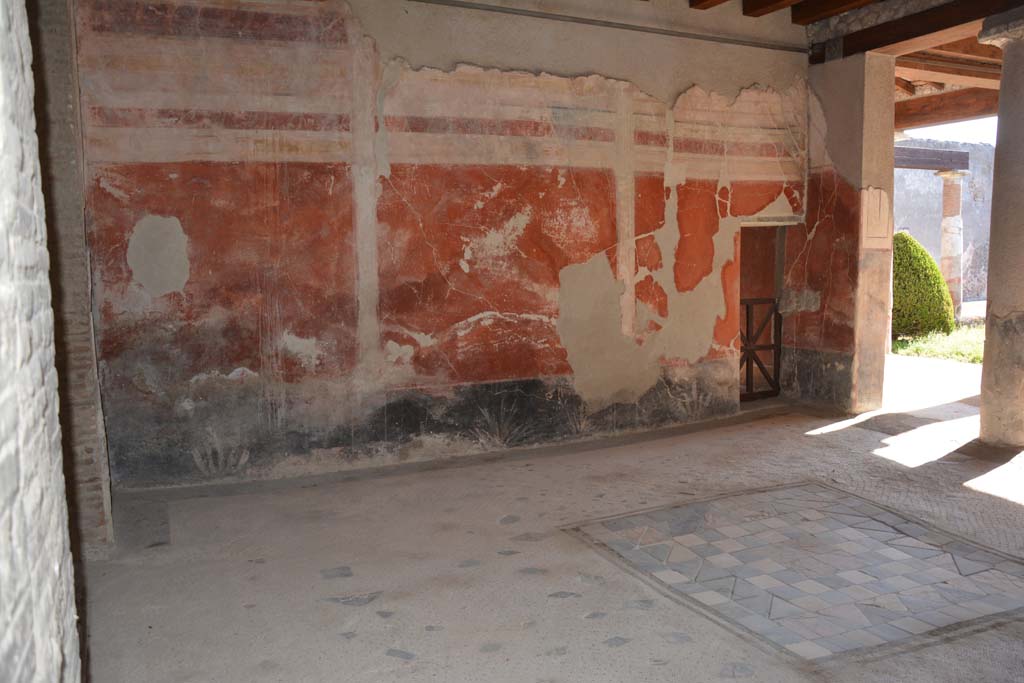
760	319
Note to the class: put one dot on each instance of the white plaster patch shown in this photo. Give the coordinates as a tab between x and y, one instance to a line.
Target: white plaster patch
118	193
498	243
488	318
398	353
306	348
778	208
240	374
568	224
158	255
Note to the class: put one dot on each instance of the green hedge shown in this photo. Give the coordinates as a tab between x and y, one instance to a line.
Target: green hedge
921	302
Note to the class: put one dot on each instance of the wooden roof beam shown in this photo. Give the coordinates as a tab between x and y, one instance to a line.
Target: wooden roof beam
906	86
918	67
970	48
706	4
959	105
759	8
936	26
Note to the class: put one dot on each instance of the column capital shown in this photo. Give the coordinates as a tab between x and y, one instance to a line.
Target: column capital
1003	29
952	175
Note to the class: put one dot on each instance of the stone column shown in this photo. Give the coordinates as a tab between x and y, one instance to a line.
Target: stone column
951	261
1002	390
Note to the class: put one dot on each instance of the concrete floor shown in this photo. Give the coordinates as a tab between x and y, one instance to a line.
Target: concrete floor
466	574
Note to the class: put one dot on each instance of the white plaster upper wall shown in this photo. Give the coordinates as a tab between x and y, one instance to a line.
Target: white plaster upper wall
662	66
852	119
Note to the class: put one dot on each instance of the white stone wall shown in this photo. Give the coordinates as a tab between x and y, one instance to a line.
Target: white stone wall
38	637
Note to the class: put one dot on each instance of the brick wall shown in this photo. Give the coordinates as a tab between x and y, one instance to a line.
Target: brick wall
60	153
38	639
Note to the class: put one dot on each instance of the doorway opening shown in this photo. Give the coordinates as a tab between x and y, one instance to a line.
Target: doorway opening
761	279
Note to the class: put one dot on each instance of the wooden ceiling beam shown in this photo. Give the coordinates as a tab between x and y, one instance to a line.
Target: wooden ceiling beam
759	8
810	11
906	86
959	105
932	159
970	48
923	67
706	4
936	26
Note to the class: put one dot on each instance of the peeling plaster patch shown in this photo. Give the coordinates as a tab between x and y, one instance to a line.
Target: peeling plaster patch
398	353
608	366
487	318
239	374
236	375
158	255
611	365
306	349
496	244
795	301
779	207
109	186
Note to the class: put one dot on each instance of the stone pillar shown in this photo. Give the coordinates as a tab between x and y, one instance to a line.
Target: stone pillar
838	296
951	261
1002	390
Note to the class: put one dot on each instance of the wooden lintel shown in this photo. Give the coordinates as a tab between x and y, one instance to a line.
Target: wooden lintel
932	159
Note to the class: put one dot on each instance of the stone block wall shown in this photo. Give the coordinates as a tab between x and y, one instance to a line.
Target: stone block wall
309	257
38	637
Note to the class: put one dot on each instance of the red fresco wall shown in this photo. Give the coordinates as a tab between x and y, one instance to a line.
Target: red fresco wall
260	236
368	273
431	235
821	258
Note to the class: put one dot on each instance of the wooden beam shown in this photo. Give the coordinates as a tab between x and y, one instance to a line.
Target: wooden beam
936	26
959	105
906	86
918	67
706	4
759	8
932	159
970	48
810	11
928	40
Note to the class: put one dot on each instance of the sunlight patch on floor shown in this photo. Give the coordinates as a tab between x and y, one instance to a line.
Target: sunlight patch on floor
930	442
1005	481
